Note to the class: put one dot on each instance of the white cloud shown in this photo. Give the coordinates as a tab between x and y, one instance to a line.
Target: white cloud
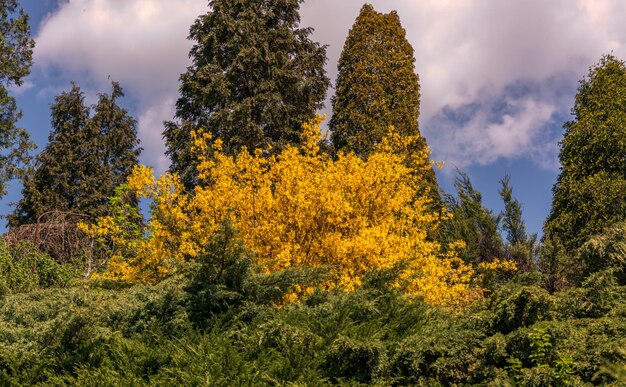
27	85
483	140
465	50
140	43
150	124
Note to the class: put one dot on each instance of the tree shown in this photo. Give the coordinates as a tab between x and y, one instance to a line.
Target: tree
520	246
85	159
589	192
256	77
376	87
607	251
472	223
16	51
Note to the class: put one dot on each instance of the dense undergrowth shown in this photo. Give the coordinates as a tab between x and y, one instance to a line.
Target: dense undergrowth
220	325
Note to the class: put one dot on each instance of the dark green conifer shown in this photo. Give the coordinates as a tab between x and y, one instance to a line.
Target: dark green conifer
85	159
16	52
256	77
590	193
376	87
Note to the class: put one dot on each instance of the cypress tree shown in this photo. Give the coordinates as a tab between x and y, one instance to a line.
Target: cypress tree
589	194
376	87
256	77
16	52
85	159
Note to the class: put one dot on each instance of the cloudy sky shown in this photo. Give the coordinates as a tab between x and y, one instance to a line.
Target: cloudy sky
498	77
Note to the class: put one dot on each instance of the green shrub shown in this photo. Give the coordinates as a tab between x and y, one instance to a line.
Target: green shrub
24	268
607	251
516	306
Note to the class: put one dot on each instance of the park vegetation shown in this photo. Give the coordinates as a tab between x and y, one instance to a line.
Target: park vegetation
272	254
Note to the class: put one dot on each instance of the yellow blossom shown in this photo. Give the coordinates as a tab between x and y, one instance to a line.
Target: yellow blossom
301	207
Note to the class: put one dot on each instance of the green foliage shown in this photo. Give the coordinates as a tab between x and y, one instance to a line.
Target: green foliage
219	277
616	371
607	251
517	306
23	268
589	193
255	78
125	213
560	268
376	84
540	345
225	277
377	87
356	360
16	52
514	368
564	369
520	247
472	223
598	295
145	335
604	252
85	159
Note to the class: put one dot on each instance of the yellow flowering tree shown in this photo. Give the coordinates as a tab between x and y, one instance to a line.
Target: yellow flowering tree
300	207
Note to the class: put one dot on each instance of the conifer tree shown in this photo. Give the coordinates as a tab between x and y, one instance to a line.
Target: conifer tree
520	246
16	51
472	223
256	77
85	159
376	87
589	194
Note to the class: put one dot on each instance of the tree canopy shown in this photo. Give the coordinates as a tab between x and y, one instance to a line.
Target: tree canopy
471	223
256	77
16	54
589	193
376	88
376	84
87	156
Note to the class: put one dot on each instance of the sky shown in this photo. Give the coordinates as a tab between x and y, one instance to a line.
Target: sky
498	77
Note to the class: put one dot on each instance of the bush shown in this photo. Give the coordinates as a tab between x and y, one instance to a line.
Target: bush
24	268
518	306
607	251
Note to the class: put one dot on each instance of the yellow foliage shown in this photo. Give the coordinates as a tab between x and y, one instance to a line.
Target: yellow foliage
505	265
300	207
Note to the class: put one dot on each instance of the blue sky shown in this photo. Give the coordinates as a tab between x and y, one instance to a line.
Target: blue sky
498	78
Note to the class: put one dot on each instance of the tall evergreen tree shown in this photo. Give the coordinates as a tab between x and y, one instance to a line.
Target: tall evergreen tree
85	159
16	51
376	87
256	77
589	194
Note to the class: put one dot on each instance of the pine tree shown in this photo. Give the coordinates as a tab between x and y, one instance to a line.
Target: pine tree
256	77
117	134
16	50
520	246
589	194
85	159
376	87
472	223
